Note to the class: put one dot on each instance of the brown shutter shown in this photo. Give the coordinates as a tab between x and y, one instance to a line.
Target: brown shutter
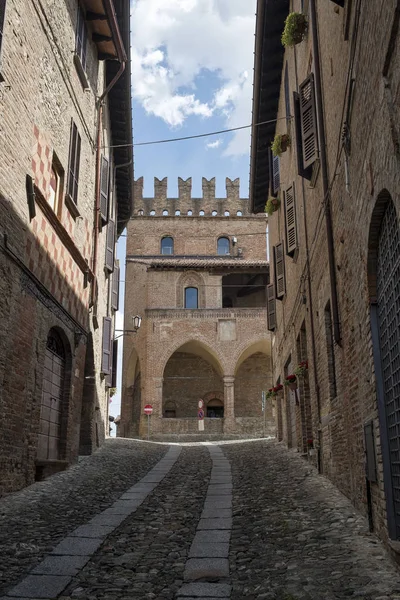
271	307
309	136
110	246
305	173
114	364
279	269
106	346
115	289
104	187
74	162
276	174
290	221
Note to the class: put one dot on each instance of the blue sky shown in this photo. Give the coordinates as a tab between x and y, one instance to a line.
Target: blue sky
192	73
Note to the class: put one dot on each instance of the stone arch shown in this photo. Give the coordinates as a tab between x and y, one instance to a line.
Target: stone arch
133	392
383	273
195	346
189	372
190	279
253	374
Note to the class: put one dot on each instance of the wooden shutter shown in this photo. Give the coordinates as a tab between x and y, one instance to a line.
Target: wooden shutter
106	346
74	161
276	177
114	364
110	246
104	187
305	173
81	37
271	307
309	137
287	94
115	289
2	19
290	221
279	270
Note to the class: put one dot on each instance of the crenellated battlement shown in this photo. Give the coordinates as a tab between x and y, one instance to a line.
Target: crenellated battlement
185	205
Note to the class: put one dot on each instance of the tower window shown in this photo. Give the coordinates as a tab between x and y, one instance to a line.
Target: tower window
167	245
223	246
191	297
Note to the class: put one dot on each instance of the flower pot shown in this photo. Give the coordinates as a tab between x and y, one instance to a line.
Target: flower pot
275	201
301	28
312	452
293	386
285	141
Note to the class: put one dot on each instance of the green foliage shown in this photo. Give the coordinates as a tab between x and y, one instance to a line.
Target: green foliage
295	28
112	392
272	205
280	143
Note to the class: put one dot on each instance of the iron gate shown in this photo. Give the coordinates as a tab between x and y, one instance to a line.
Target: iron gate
52	397
388	293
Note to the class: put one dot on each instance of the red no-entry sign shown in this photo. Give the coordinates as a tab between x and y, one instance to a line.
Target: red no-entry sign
148	409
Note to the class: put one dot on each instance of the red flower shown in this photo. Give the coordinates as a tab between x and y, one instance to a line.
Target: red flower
291	378
278	388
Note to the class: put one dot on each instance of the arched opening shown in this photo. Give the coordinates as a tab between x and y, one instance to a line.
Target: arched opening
177	213
384	289
215	409
239	213
165	212
226	213
191	297
223	246
54	402
169	410
253	374
192	372
214	213
152	213
167	245
201	213
132	406
190	213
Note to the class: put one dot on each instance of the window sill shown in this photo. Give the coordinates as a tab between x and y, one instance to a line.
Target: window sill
81	73
72	207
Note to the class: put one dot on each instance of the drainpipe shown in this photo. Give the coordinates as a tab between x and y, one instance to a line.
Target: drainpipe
122	59
324	168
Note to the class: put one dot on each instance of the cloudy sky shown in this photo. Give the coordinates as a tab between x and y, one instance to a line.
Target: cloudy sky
192	72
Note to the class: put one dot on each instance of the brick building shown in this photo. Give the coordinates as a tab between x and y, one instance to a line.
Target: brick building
64	196
196	272
335	238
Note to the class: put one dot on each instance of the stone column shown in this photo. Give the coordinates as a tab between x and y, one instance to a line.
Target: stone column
229	404
152	395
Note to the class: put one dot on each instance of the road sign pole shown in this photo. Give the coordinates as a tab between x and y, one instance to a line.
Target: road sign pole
148	427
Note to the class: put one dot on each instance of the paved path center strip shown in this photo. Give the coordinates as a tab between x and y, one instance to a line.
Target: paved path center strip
54	573
207	568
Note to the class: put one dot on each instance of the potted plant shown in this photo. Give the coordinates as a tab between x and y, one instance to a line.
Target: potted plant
278	389
291	382
270	394
310	447
301	369
295	29
272	205
112	391
280	144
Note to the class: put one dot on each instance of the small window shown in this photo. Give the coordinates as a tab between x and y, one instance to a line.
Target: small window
226	213
2	18
191	297
140	213
177	213
56	186
214	213
165	213
104	188
239	213
152	213
190	212
223	246
167	245
74	162
81	37
201	213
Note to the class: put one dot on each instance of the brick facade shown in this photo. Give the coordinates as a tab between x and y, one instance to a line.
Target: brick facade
359	74
213	352
47	247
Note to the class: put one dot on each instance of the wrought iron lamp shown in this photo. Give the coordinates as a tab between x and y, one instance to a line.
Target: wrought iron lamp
136	322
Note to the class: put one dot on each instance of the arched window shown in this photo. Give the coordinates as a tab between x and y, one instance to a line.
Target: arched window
51	410
140	213
167	245
226	213
191	297
214	213
152	213
190	212
177	213
239	213
223	246
201	213
165	212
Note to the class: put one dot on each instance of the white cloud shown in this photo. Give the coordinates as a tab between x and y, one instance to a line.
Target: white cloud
175	41
215	144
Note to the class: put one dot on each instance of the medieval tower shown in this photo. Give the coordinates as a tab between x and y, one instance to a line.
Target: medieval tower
196	272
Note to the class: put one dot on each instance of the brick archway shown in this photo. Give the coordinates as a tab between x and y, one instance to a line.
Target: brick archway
211	396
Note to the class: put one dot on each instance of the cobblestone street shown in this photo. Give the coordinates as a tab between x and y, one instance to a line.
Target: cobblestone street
148	521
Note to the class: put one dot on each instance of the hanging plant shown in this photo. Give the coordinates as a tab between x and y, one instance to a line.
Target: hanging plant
272	205
270	394
295	29
301	369
112	391
280	144
291	382
278	389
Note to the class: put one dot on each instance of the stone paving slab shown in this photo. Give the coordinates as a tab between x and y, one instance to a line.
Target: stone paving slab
216	536
107	520
93	531
60	565
220	492
205	590
40	586
219	523
218	501
213	513
206	568
214	487
208	550
76	546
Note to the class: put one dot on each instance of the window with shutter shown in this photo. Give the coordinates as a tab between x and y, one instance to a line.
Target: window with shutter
290	221
74	160
271	307
279	270
287	93
81	37
276	176
104	187
114	364
309	137
106	346
305	173
115	289
110	246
